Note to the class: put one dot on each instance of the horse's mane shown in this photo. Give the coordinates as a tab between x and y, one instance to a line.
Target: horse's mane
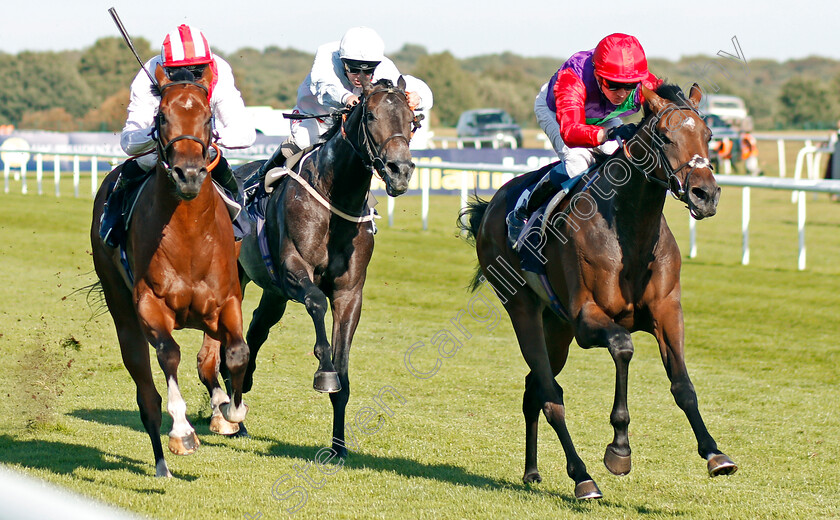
672	93
336	117
179	74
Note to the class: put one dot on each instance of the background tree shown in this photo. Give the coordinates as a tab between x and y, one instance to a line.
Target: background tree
455	89
805	104
108	66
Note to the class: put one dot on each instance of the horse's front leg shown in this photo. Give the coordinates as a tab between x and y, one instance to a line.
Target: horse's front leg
298	283
347	308
209	361
595	329
158	322
236	354
669	332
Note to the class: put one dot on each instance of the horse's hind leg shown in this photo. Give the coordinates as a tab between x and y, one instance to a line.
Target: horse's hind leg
670	334
209	361
558	335
267	314
529	332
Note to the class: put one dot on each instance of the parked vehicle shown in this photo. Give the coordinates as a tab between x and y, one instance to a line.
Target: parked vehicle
731	109
489	122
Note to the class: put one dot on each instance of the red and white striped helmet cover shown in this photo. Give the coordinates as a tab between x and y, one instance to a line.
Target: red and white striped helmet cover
185	46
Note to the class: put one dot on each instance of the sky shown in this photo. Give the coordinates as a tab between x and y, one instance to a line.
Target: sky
667	29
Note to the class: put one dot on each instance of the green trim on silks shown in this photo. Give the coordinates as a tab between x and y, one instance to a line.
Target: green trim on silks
628	104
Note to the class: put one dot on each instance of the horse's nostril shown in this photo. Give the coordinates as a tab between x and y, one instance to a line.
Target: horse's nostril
392	167
179	173
699	194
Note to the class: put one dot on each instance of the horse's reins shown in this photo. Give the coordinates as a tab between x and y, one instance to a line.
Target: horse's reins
163	151
672	182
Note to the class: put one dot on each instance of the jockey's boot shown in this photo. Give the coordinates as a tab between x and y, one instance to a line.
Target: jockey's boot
287	149
518	218
223	176
112	224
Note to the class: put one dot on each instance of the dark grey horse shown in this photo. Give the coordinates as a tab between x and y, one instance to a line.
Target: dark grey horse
321	243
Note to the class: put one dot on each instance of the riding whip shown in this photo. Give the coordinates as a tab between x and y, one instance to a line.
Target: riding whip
113	12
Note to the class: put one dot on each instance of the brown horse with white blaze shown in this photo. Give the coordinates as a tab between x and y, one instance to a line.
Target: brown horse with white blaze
181	252
613	267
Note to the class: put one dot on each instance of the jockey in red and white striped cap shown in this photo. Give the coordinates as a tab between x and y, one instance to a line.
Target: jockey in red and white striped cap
185	46
184	49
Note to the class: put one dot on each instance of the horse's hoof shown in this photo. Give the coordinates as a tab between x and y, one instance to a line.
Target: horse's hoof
219	425
720	464
327	382
232	413
587	490
242	433
617	464
185	445
533	476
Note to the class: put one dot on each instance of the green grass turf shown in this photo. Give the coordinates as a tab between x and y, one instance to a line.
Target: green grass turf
762	350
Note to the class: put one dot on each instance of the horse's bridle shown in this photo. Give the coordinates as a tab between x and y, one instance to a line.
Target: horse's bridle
163	150
671	183
371	153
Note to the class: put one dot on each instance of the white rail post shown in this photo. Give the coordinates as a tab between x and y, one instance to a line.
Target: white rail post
76	175
692	234
6	175
391	203
39	172
801	224
780	143
745	226
23	187
57	175
94	175
425	182
465	190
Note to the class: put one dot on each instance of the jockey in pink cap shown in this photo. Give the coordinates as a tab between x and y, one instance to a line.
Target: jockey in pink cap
580	108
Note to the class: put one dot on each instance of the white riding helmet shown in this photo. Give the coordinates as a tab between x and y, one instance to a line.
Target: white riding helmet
361	44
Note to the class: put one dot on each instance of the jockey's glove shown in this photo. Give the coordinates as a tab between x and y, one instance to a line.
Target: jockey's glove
623	132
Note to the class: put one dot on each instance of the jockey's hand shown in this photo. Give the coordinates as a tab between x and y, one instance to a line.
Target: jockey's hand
353	100
623	132
413	100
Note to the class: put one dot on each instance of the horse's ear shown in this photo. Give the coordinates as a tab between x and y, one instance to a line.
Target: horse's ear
695	94
654	101
160	76
206	78
364	79
401	82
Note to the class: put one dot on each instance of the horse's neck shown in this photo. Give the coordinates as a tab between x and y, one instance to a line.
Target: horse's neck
342	175
635	206
173	209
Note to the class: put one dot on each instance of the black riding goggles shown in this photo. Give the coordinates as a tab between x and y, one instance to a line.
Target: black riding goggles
360	67
196	70
613	86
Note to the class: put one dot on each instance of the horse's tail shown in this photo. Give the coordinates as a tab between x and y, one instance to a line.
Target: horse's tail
469	220
94	297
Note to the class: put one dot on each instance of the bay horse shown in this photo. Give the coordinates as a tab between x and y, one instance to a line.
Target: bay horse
181	252
612	267
322	248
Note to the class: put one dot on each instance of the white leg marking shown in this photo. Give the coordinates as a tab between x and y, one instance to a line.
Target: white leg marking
177	408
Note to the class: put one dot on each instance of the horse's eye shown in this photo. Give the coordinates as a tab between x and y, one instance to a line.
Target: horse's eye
664	139
371	117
